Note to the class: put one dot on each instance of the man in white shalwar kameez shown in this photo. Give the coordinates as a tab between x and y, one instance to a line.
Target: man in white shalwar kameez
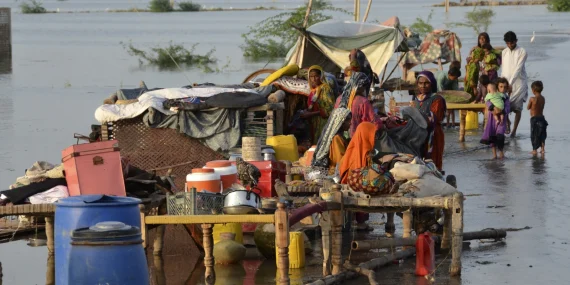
513	69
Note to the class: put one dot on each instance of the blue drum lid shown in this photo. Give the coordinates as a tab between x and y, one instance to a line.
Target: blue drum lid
109	230
96	200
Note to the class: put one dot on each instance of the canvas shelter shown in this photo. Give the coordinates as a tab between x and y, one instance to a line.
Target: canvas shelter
329	43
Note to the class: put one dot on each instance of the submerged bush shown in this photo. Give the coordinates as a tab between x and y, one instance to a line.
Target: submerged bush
558	5
34	7
479	20
189	6
173	56
160	6
273	37
421	26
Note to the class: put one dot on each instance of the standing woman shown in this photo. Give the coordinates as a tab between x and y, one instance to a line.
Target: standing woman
320	102
433	108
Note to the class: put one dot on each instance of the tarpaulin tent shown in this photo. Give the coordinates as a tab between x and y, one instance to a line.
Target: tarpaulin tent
329	43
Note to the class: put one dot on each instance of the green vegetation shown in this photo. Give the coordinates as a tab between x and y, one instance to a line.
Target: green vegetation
33	7
273	37
478	20
189	7
160	6
173	56
421	27
558	5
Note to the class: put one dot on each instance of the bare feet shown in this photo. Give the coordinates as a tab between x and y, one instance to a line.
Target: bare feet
494	157
502	155
513	135
534	152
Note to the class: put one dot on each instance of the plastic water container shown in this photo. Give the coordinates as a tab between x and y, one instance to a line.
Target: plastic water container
285	147
472	120
107	253
227	228
227	172
204	179
296	250
83	211
425	254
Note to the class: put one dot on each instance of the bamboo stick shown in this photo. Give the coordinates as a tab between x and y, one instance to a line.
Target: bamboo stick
367	11
456	234
209	261
370	265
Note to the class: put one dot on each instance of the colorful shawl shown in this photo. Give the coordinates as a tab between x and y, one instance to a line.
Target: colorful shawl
321	96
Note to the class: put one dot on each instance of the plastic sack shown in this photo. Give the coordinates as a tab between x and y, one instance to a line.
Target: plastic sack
427	186
407	171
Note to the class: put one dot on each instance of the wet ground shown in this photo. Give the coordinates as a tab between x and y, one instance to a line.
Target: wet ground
64	65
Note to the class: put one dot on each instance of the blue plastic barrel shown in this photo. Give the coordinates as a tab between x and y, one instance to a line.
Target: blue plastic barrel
84	211
109	253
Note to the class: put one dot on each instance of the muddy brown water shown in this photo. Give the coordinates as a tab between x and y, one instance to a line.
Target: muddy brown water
64	65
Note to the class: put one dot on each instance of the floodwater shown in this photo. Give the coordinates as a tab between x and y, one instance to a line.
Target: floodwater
65	64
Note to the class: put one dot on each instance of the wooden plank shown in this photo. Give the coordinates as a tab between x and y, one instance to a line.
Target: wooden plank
270	106
398	202
209	219
28	209
469	107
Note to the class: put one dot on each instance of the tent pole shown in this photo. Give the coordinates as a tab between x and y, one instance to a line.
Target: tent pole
357	10
395	66
302	38
367	10
383	73
446	6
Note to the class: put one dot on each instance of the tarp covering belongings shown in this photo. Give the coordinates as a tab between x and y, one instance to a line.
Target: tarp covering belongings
210	114
329	43
432	49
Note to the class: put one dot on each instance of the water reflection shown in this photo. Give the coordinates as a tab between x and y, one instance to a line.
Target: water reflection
5	64
50	272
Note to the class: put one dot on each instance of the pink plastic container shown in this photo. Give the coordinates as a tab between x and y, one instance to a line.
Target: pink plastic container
94	168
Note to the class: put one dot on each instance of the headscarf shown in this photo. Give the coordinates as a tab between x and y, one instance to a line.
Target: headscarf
335	121
361	64
357	79
324	88
356	153
429	76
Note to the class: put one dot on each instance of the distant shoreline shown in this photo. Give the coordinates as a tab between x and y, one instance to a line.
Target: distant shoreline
493	3
137	10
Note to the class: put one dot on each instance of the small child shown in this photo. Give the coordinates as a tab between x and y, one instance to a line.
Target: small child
491	62
497	103
482	88
537	122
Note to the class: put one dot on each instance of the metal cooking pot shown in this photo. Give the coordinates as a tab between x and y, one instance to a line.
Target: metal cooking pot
242	198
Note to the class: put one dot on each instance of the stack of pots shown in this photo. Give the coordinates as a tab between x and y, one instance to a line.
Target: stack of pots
227	172
251	149
204	179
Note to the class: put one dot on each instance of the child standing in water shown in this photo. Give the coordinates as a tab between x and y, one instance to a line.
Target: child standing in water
497	103
537	122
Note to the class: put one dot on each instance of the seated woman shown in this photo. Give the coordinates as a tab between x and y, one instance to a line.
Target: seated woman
433	108
320	102
356	156
353	98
